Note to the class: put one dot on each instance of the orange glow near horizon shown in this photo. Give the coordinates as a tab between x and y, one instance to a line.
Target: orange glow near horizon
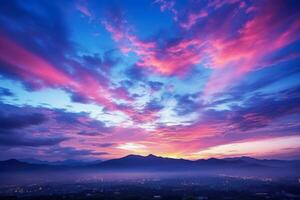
257	148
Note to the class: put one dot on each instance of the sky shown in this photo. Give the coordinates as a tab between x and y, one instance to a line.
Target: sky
193	79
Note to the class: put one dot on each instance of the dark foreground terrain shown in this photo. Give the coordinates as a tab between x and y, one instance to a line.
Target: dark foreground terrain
198	188
151	177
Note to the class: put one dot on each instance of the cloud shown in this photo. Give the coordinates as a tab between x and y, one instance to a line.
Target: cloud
85	133
173	58
42	72
29	125
132	147
258	148
259	111
234	57
45	63
187	104
15	120
105	145
46	34
254	117
72	153
82	7
155	85
5	92
227	39
168	5
193	18
39	73
18	139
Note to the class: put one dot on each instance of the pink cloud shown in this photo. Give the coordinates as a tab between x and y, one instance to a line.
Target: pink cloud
229	55
193	18
168	5
29	66
174	59
139	116
219	3
82	7
233	58
37	71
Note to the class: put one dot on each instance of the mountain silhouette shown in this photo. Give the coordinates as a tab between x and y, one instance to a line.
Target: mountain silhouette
137	163
150	162
13	164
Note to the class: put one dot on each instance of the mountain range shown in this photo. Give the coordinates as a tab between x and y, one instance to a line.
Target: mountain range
137	163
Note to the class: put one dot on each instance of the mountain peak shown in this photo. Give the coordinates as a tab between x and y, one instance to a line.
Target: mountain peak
151	156
139	156
132	155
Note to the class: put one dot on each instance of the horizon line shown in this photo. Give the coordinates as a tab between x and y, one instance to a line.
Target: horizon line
145	156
